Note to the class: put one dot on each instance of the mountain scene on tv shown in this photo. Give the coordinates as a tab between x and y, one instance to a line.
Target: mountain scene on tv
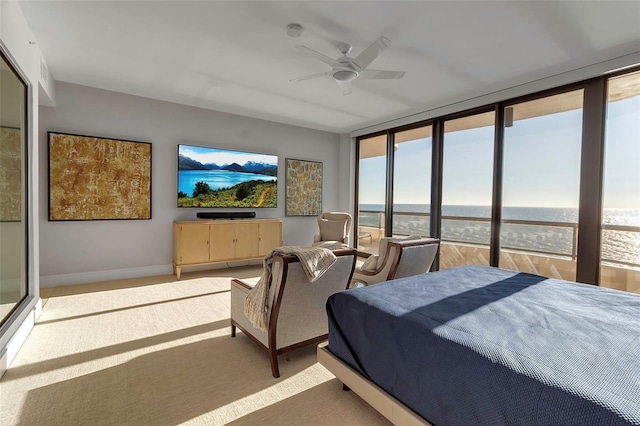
210	177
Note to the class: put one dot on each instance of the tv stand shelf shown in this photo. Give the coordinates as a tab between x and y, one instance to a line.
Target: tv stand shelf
201	242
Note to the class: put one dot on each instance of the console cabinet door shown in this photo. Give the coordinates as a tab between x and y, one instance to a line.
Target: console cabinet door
270	237
246	239
210	242
193	243
222	238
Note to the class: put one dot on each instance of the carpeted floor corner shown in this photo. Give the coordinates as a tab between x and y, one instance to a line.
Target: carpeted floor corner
157	351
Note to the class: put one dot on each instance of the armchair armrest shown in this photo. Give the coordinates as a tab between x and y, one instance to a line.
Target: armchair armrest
239	292
382	271
238	283
411	243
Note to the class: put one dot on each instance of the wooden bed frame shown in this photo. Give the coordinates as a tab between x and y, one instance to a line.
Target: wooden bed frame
394	410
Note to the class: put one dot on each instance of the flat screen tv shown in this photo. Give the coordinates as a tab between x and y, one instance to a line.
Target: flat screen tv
211	177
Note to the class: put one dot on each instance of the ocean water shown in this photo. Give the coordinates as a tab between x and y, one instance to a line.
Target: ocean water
216	179
557	238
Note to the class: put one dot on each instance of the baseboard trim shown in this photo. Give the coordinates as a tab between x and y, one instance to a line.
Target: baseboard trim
97	276
123	274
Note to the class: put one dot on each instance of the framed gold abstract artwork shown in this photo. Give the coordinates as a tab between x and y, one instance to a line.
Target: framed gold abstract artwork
93	178
304	187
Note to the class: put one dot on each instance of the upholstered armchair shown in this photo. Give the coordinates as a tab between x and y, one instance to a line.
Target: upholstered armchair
296	307
397	258
333	227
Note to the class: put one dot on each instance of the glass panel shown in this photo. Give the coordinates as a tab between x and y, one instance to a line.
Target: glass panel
13	281
412	182
541	184
620	264
371	192
467	187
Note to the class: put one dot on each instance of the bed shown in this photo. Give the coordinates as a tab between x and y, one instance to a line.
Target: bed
483	345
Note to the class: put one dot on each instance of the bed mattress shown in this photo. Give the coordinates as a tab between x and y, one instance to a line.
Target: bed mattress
483	345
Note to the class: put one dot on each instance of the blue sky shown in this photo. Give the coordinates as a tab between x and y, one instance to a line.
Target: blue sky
222	156
622	155
541	163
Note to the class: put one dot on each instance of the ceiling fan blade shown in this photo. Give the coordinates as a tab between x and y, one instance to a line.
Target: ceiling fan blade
370	53
380	74
345	86
309	77
327	60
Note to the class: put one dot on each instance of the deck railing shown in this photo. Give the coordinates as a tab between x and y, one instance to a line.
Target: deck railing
482	238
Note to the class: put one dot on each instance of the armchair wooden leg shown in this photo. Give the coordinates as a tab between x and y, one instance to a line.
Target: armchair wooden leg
273	356
233	330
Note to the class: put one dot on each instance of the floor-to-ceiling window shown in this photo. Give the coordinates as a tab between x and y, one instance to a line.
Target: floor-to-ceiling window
548	183
408	154
13	216
467	176
620	254
541	185
412	181
372	178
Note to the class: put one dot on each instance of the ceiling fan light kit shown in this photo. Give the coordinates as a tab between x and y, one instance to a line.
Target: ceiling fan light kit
294	30
344	70
345	75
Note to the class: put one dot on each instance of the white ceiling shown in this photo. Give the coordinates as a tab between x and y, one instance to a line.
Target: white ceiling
235	56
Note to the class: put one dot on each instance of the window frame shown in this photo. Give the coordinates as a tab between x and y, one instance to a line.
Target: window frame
591	169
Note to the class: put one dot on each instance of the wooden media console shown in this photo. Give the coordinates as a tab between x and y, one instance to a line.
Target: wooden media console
200	242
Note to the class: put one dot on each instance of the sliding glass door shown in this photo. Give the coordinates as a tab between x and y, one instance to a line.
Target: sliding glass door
13	166
620	253
541	185
412	181
467	176
372	178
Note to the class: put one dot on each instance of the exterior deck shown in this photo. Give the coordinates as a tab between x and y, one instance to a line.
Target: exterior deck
621	273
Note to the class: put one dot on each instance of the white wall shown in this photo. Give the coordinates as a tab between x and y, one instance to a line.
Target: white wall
84	251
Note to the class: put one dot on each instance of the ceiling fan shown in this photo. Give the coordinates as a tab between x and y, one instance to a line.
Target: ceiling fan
344	70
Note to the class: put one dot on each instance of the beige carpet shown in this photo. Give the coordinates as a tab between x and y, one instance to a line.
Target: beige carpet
157	351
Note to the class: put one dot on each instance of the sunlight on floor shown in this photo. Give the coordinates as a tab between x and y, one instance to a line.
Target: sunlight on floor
306	379
158	351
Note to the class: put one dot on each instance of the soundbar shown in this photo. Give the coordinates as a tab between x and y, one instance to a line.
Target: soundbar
226	215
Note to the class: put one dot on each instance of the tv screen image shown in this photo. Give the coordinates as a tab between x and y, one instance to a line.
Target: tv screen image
211	177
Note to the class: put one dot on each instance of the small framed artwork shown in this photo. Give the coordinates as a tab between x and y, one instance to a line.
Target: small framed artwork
93	178
303	187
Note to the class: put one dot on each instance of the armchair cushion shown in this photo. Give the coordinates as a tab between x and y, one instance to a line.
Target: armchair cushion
371	263
382	248
332	230
331	245
404	258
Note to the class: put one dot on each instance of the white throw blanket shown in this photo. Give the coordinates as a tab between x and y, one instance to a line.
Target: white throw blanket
314	260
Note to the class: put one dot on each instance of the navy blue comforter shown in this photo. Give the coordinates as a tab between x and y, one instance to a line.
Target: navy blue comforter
482	345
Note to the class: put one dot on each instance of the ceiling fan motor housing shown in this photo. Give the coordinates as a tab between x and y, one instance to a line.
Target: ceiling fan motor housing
350	72
345	75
